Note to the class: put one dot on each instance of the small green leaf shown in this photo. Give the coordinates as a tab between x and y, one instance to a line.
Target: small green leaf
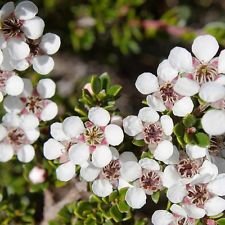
179	130
95	198
189	120
189	139
123	207
155	197
221	221
116	214
114	90
96	84
113	196
122	193
139	143
105	80
202	139
147	154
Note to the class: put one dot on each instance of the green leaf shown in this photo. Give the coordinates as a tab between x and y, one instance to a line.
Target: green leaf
189	139
139	143
189	120
113	196
96	84
155	197
179	130
147	154
221	221
122	193
202	139
114	90
123	207
105	81
95	198
116	214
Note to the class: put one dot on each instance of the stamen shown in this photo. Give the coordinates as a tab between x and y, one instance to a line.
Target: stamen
205	73
112	170
168	95
93	135
153	133
17	137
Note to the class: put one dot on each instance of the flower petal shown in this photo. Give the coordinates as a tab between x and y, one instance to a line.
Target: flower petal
79	153
102	187
52	149
195	152
6	10
13	104
212	92
147	83
26	153
170	176
50	43
73	126
113	134
186	87
216	185
132	125
14	85
149	164
148	115
46	88
33	28
167	124
57	132
135	197
214	206
155	103
127	156
166	72
162	217
49	112
174	158
43	64
66	171
130	171
212	120
176	193
163	151
99	116
25	10
180	59
3	132
101	156
178	210
89	173
194	212
205	47
221	62
183	107
6	152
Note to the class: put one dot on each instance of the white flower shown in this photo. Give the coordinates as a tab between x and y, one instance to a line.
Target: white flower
178	216
34	101
114	175
18	24
79	142
148	182
17	135
40	51
155	131
37	175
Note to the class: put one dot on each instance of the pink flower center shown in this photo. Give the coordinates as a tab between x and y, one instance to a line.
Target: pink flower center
153	133
150	181
17	138
112	170
205	73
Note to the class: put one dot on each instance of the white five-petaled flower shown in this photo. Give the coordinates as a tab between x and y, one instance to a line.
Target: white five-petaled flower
120	170
10	84
34	100
148	182
177	217
156	131
18	24
16	136
75	141
163	94
197	186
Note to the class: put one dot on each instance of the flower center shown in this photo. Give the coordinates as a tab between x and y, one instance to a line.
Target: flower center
112	170
34	47
184	221
187	168
150	181
198	194
168	95
11	27
33	104
217	143
17	137
94	135
205	73
153	133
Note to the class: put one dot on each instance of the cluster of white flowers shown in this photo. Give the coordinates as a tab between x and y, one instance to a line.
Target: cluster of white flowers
22	44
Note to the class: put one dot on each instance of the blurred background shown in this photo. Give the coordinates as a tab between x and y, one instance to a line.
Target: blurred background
121	37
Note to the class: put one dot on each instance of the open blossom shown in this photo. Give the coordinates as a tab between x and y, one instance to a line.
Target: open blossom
163	94
16	136
76	142
34	100
148	182
156	131
10	84
17	24
178	216
197	186
120	170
